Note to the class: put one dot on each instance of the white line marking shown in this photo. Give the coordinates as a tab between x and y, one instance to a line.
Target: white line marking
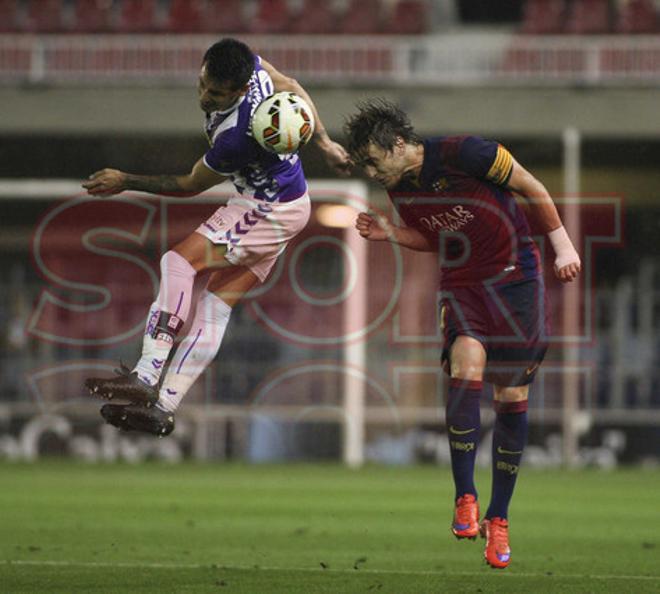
509	573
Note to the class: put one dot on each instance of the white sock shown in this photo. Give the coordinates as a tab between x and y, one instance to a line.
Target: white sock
196	350
173	302
154	352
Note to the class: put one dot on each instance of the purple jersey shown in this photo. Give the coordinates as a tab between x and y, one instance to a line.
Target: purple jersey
462	205
237	155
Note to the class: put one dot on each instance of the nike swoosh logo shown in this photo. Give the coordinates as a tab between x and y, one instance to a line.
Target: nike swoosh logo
532	369
501	450
459	432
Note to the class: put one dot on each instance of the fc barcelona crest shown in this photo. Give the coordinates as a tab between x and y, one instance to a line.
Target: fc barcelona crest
440	184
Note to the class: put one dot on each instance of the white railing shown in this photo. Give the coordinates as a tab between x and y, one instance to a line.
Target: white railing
458	59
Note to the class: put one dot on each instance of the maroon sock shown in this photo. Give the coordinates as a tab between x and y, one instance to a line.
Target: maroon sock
463	427
509	439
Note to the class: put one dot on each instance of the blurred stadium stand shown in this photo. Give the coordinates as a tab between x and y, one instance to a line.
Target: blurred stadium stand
271	17
45	16
137	16
225	16
349	17
543	17
315	18
362	18
409	17
637	16
9	16
185	16
357	41
92	16
588	17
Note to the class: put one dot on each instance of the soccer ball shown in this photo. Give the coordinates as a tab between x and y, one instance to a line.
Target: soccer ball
283	123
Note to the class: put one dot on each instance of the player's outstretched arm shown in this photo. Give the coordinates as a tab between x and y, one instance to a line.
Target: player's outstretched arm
335	154
543	209
112	181
379	228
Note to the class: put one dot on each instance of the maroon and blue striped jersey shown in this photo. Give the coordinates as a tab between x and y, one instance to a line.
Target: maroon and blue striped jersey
460	202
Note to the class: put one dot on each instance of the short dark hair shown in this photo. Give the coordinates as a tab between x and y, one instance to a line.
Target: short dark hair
230	61
380	122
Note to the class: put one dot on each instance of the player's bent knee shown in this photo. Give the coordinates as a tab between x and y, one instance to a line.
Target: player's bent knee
173	262
467	359
510	393
466	371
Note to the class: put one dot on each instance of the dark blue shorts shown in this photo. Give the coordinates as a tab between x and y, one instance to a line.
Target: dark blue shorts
510	320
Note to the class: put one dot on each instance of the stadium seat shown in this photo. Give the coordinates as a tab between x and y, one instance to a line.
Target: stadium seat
272	16
315	18
361	17
9	16
588	17
543	17
93	16
637	16
224	16
409	17
185	16
45	16
137	16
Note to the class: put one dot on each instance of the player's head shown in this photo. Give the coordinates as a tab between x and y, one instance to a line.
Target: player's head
378	137
226	70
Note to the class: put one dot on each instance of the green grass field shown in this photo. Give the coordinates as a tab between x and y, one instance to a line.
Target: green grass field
73	528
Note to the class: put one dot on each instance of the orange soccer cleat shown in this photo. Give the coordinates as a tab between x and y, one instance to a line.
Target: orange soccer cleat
466	517
496	533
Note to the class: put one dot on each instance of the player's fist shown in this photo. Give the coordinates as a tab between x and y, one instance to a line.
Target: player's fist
567	262
337	157
375	229
105	182
568	269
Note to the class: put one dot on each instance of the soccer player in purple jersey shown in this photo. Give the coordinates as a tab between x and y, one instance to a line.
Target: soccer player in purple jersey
455	195
237	246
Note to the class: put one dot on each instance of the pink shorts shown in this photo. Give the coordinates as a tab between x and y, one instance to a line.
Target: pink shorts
256	232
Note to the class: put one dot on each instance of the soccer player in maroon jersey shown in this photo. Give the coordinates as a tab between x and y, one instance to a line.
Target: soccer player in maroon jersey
455	195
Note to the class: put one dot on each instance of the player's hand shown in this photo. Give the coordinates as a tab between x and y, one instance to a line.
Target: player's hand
105	182
337	157
567	262
567	271
372	228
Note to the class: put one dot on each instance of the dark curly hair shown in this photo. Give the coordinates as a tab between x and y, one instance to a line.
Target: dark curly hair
230	61
380	122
